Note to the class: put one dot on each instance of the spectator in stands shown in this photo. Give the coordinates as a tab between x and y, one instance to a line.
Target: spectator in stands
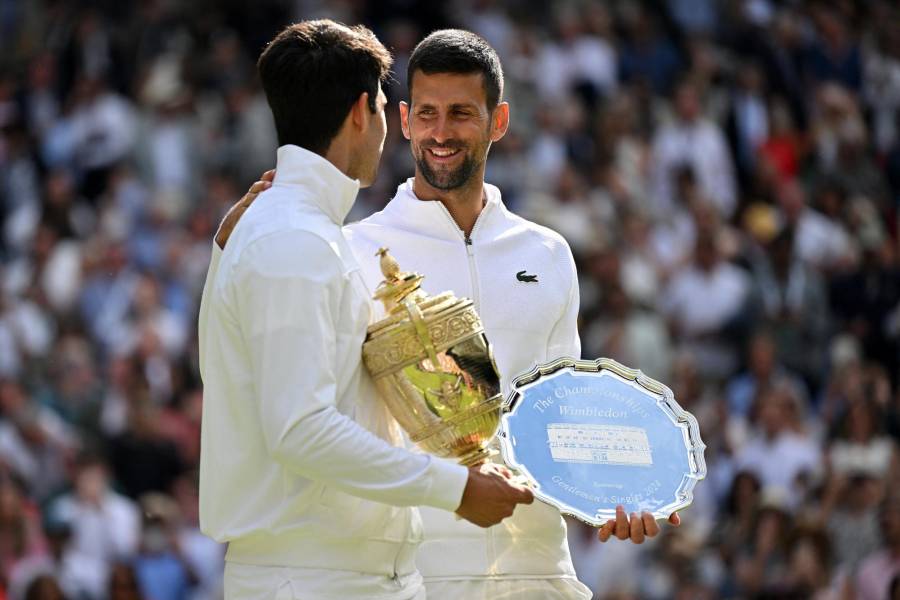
781	454
105	525
702	302
764	371
692	139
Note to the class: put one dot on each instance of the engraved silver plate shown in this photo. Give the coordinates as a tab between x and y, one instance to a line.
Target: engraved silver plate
591	435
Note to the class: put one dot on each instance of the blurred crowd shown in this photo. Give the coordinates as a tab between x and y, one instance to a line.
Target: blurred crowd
727	174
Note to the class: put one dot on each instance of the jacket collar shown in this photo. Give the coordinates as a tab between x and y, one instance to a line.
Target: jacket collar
331	191
431	218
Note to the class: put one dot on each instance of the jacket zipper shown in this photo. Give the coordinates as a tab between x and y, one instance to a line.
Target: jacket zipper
470	252
473	271
490	542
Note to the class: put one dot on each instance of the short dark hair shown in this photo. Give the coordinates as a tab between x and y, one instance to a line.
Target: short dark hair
458	51
313	72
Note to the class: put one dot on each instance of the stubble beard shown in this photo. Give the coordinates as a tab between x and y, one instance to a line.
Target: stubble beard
447	180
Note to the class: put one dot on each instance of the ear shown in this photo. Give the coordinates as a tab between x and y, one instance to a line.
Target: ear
360	113
500	121
404	119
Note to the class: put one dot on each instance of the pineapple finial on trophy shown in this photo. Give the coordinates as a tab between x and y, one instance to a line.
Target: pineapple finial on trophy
390	268
397	285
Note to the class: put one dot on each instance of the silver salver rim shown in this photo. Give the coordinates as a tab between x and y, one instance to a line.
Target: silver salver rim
682	419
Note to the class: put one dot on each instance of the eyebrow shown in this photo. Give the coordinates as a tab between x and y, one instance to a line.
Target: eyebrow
454	106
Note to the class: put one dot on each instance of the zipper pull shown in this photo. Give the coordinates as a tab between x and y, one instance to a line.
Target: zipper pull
468	241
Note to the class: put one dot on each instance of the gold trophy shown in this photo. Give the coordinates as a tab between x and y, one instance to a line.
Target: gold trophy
433	367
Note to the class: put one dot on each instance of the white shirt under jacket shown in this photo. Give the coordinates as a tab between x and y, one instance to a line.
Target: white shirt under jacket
526	323
300	464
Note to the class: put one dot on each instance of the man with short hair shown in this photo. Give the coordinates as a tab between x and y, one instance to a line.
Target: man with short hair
301	470
449	225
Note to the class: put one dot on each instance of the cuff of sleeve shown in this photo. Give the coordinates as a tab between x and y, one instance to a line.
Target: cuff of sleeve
448	482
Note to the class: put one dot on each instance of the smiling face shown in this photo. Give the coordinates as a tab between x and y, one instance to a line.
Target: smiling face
450	128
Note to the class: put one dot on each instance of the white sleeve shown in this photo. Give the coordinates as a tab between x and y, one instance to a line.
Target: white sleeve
204	302
289	287
564	339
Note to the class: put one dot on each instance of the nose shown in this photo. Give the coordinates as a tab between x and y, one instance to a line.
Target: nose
441	131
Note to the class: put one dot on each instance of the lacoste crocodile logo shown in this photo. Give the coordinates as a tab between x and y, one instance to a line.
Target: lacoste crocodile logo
521	276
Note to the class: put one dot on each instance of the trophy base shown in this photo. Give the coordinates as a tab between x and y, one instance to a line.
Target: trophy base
474	457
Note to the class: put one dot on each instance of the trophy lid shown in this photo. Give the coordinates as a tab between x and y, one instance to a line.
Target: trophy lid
396	284
399	287
412	314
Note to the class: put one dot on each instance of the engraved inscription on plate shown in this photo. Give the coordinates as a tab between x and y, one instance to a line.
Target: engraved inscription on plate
599	444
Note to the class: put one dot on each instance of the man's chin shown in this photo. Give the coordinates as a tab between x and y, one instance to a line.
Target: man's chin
443	183
445	178
442	180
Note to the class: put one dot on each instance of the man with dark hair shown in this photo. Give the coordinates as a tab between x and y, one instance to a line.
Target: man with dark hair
301	470
452	227
453	51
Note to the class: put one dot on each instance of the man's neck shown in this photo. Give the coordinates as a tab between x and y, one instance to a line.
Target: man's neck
464	204
340	155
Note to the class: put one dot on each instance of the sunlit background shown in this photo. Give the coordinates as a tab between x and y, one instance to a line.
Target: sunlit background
726	172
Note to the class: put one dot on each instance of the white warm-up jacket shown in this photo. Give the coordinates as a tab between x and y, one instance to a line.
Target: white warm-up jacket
522	279
299	467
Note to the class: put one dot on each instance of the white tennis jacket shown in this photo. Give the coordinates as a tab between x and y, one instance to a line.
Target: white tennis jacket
522	279
299	467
